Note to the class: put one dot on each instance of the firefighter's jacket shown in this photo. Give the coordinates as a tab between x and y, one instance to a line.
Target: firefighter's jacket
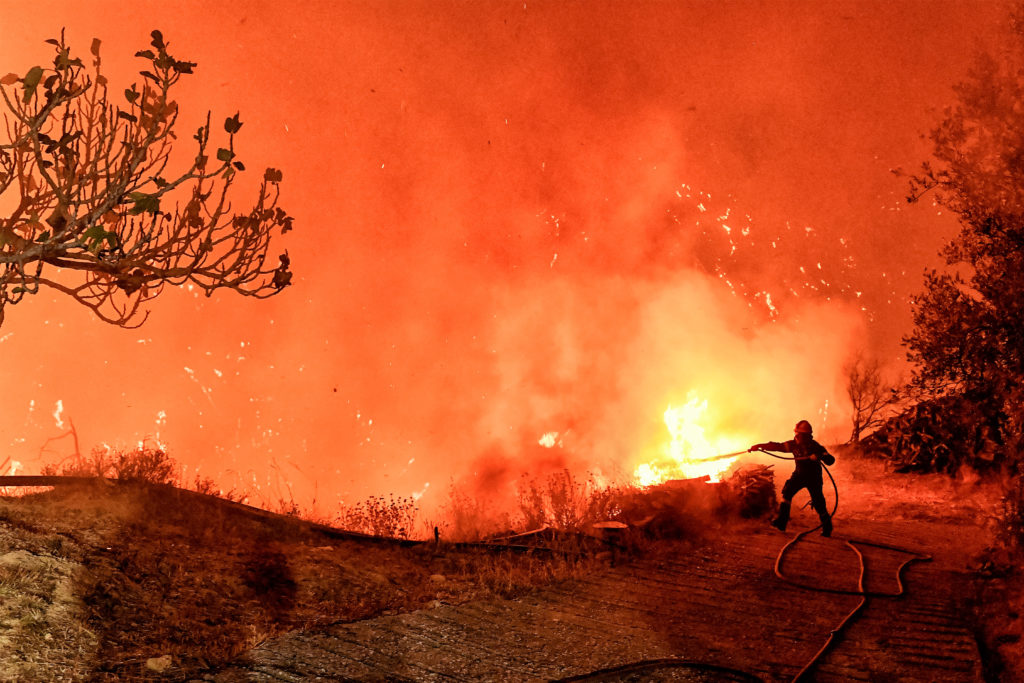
803	456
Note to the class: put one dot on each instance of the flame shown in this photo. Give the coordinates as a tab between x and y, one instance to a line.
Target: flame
692	452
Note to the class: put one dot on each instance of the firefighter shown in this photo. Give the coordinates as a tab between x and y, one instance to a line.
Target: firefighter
808	455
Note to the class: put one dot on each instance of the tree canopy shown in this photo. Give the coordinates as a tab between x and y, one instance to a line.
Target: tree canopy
90	206
969	321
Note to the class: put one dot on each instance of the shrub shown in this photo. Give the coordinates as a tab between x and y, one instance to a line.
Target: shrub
471	519
941	435
208	487
93	465
142	463
378	516
566	502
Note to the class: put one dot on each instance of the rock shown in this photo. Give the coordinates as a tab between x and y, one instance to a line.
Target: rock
438	578
159	664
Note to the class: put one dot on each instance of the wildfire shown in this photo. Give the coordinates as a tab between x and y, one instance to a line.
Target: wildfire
692	452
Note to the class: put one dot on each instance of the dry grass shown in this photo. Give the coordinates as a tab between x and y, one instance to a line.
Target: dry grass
40	638
100	579
999	596
865	483
151	570
997	502
566	502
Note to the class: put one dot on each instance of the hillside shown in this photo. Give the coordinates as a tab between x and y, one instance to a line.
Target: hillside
119	581
131	581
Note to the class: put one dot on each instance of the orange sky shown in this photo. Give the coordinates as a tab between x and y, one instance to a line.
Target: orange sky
509	221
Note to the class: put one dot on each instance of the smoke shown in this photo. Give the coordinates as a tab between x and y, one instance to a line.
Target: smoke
596	360
513	221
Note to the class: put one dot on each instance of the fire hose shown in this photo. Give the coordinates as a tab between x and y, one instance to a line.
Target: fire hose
861	591
805	673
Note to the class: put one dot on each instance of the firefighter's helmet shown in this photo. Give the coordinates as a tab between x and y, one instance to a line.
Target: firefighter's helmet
803	427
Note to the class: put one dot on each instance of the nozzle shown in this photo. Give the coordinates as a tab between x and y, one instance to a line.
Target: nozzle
722	457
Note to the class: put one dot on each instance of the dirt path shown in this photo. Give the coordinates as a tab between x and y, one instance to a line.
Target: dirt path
720	604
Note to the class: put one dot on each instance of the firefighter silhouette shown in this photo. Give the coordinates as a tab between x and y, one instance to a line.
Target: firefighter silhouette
808	455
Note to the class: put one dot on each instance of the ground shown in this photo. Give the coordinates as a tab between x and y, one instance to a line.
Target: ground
136	582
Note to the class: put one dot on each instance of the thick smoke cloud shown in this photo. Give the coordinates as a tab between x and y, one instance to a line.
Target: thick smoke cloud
512	220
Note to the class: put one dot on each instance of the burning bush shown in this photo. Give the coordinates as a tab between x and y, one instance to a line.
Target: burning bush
562	501
565	502
393	517
142	463
680	508
468	518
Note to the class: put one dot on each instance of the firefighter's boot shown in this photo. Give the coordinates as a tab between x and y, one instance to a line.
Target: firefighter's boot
826	524
781	519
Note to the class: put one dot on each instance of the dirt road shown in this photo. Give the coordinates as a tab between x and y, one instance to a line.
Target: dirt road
720	604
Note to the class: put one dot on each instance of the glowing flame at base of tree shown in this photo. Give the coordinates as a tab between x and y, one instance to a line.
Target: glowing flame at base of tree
692	452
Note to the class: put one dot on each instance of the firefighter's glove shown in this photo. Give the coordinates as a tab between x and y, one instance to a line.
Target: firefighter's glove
827	458
756	447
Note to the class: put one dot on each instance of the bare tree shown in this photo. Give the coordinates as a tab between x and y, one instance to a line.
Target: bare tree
94	212
871	397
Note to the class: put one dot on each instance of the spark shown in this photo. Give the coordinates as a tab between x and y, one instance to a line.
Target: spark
57	414
416	495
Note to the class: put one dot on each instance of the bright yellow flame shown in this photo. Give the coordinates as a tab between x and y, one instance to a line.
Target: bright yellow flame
692	452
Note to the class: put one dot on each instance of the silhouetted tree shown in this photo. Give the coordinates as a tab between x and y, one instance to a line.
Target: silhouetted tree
968	335
91	208
871	397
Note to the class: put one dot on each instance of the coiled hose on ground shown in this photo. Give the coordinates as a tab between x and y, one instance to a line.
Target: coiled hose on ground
805	673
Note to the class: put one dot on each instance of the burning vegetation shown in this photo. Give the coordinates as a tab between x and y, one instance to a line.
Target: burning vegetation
647	362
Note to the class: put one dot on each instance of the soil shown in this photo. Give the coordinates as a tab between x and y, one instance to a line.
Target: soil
134	582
